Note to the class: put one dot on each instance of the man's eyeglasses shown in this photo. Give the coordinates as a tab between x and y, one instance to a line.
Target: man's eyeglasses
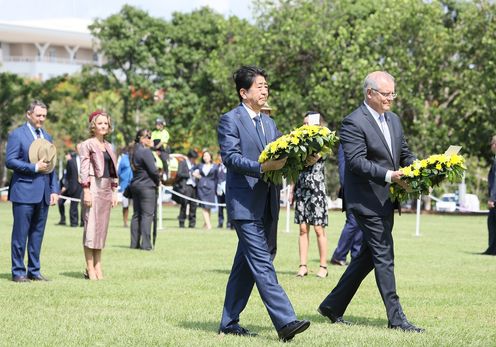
147	136
386	95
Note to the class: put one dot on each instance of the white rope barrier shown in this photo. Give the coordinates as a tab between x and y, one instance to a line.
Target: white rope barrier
166	188
63	197
170	190
60	196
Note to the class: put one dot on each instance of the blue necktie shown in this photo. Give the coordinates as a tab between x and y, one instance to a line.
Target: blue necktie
258	127
38	133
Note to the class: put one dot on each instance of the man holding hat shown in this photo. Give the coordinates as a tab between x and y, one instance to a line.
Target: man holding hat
33	188
160	138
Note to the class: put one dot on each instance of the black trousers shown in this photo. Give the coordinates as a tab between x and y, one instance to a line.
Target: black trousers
73	212
144	202
491	227
377	253
189	191
221	199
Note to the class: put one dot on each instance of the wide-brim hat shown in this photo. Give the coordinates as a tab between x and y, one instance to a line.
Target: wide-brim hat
42	149
266	107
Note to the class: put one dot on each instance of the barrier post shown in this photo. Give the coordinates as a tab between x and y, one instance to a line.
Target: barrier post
417	227
159	207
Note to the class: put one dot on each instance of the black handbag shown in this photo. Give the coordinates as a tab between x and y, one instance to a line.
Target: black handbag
177	188
127	192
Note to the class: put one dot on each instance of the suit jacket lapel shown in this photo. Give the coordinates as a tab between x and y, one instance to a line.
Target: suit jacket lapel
374	125
249	126
28	140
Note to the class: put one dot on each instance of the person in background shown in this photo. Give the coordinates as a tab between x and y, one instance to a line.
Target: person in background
351	235
33	188
206	186
99	182
146	179
160	140
311	208
73	188
374	148
186	185
125	174
63	188
491	202
221	194
266	109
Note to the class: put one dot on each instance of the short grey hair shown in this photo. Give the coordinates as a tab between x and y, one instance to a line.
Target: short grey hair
370	81
33	105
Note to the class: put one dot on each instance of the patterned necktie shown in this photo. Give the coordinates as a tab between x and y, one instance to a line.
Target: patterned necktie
38	133
258	127
385	132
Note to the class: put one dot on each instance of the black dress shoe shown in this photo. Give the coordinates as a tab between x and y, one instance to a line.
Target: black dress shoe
60	223
290	330
38	278
20	279
406	326
236	329
327	312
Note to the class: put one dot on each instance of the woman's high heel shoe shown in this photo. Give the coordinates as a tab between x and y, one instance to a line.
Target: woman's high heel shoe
302	273
326	272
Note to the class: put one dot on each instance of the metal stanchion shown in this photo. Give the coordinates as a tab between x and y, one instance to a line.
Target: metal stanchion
417	227
159	207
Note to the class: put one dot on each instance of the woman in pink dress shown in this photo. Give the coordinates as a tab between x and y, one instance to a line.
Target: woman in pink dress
99	181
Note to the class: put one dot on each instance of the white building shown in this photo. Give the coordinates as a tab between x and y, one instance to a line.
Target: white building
45	49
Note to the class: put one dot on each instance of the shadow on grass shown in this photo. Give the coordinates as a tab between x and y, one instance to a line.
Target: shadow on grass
354	320
6	275
478	253
120	246
214	326
73	274
219	271
279	273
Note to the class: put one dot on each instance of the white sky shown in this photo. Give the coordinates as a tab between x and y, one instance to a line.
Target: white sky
22	10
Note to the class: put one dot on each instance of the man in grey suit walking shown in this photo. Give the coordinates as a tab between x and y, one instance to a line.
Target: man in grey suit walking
253	206
375	149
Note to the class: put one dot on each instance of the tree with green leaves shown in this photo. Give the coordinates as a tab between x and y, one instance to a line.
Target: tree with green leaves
134	45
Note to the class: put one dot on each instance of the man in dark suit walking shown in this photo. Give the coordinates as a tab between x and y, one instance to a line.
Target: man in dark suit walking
73	188
375	149
186	185
32	190
491	203
253	206
221	194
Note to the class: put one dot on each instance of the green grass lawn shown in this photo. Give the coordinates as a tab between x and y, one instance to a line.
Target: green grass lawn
173	295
